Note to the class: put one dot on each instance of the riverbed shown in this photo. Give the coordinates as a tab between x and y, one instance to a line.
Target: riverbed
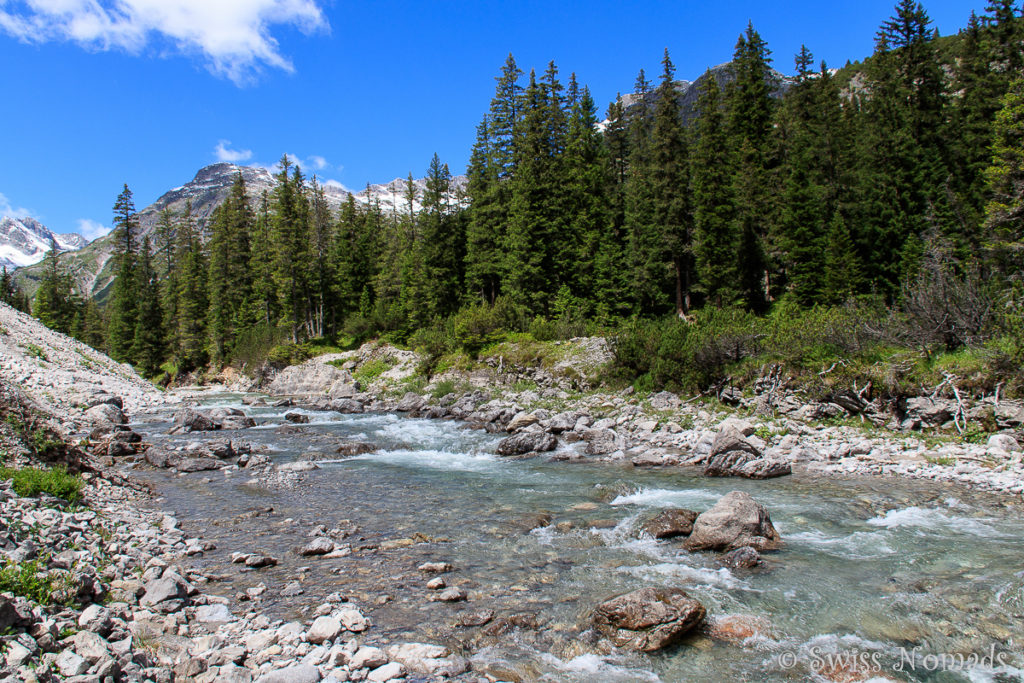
893	578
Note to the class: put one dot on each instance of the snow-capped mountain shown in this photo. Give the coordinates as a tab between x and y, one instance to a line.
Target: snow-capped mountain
24	241
206	191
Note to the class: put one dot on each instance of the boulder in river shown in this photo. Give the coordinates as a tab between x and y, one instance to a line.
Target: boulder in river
735	520
527	442
297	418
187	420
648	619
671	522
105	415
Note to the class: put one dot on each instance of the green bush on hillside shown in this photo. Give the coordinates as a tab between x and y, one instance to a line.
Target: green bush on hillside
32	481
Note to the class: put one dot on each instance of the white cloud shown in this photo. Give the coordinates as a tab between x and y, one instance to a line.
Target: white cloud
90	229
6	209
232	36
223	152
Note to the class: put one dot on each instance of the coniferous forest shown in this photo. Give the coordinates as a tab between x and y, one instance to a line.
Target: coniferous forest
834	212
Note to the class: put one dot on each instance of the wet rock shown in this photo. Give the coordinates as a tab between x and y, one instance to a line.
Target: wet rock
736	628
671	522
236	422
741	558
355	448
435	567
563	422
221	448
257	560
600	441
735	520
730	439
479	618
648	619
410	402
296	418
298	466
293	589
346	406
436	584
318	546
764	468
197	464
453	594
527	442
187	420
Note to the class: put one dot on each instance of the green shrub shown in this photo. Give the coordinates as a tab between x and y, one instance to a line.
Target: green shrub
32	481
34	351
443	388
30	580
372	369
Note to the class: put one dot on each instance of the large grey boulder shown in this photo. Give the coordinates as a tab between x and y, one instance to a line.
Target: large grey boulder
648	619
527	442
105	415
410	402
188	420
312	378
736	520
301	673
600	441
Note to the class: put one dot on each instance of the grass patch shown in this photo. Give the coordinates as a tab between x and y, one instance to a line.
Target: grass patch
33	351
443	388
371	370
32	481
30	580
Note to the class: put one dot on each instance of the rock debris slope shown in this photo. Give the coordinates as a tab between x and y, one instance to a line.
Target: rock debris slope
64	375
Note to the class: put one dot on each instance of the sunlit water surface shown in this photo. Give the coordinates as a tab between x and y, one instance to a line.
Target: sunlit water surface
871	568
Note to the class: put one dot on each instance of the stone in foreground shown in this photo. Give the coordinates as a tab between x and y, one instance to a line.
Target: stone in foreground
736	520
648	619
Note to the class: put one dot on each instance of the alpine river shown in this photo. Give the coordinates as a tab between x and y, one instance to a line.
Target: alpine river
877	579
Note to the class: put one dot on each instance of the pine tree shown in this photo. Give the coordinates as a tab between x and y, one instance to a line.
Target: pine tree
321	271
1005	211
289	228
751	109
11	294
670	182
190	340
716	240
443	242
122	307
841	276
56	303
148	350
647	283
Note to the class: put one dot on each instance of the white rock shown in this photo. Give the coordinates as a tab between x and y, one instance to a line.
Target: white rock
323	628
353	620
386	672
367	657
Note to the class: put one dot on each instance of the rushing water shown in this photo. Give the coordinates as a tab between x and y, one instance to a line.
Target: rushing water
910	579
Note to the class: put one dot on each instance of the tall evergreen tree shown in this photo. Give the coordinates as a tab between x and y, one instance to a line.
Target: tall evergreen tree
670	183
1005	211
56	303
716	242
148	349
443	241
190	340
122	306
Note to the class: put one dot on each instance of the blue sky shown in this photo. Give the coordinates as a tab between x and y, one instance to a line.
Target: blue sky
98	93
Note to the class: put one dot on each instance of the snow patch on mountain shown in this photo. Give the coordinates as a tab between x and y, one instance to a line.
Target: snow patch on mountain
24	241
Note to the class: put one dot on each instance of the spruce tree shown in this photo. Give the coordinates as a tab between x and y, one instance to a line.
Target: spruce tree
1004	213
190	340
148	350
716	238
122	307
670	183
56	303
443	242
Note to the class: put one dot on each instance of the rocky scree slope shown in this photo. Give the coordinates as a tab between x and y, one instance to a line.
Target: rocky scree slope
64	376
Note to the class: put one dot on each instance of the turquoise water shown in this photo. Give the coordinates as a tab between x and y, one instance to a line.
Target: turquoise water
906	579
